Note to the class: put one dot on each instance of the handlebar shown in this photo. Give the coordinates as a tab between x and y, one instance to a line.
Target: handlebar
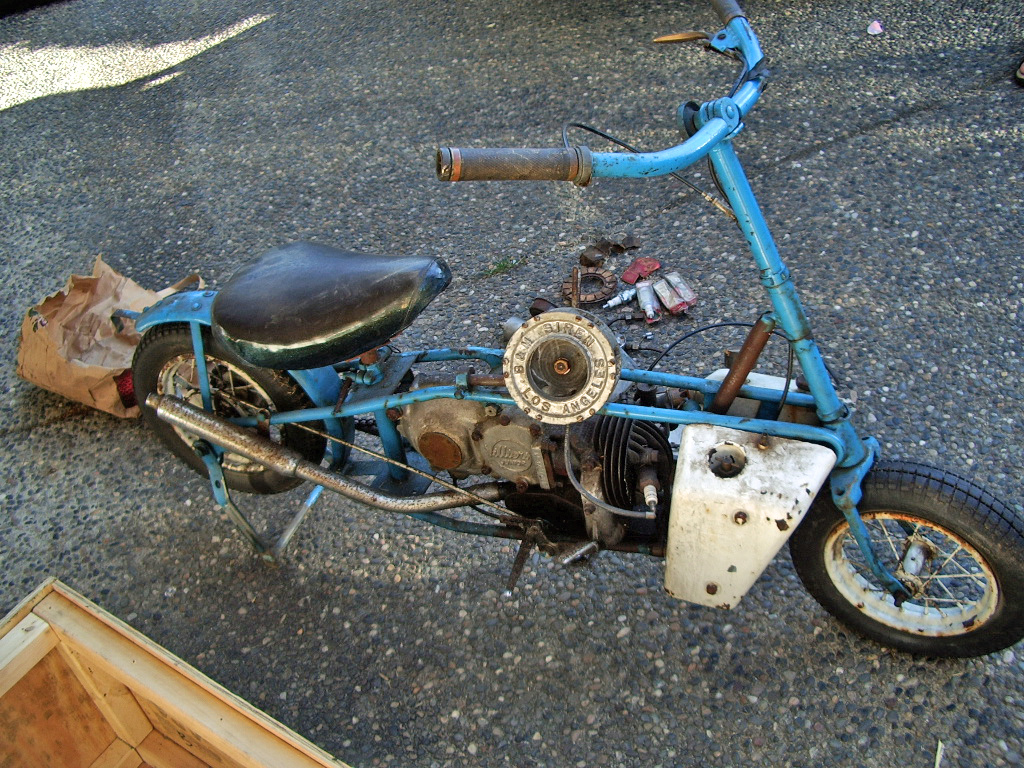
718	120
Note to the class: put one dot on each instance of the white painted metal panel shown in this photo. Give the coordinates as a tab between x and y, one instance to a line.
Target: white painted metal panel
723	531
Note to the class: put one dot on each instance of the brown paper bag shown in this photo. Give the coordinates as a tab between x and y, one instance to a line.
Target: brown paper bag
70	346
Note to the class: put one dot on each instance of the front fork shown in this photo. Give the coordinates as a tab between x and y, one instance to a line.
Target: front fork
788	314
846	494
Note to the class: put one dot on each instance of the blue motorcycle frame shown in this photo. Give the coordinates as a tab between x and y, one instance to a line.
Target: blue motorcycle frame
716	124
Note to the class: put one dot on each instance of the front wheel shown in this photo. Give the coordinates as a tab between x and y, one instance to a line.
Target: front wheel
958	549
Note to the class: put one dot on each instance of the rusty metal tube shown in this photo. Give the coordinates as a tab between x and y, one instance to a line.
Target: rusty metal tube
285	461
743	364
482	380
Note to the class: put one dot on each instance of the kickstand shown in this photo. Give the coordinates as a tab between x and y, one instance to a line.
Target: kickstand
223	499
531	538
293	525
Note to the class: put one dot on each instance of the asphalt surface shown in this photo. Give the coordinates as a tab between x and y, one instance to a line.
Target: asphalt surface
889	167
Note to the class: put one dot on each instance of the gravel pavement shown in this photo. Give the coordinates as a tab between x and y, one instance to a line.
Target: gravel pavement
890	167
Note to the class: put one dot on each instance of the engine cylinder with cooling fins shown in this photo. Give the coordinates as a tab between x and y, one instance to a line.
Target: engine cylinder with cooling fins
625	447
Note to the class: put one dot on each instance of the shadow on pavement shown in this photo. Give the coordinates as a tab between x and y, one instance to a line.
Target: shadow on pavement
12	7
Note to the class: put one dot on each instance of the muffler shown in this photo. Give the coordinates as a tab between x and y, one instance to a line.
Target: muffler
283	460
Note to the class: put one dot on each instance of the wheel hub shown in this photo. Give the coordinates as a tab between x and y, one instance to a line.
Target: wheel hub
917	555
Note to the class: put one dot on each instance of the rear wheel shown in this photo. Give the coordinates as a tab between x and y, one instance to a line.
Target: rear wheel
959	550
165	364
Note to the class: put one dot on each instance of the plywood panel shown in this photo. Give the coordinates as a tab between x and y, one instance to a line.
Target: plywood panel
47	719
114	700
118	755
161	752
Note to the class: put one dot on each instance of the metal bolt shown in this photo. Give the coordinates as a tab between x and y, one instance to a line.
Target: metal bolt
711	588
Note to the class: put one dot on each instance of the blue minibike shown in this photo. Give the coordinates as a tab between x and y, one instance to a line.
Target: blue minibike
290	373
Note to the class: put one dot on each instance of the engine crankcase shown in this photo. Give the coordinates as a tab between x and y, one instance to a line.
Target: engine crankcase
467	438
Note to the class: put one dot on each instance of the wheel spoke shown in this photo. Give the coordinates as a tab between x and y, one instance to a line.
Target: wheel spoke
970	592
942	585
976	578
233	393
888	537
186	384
944	600
231	382
957	563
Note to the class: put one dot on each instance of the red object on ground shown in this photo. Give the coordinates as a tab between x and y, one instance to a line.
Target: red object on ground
641	267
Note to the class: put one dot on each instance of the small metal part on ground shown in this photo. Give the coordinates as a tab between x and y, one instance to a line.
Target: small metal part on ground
596	286
594	255
608	247
539	305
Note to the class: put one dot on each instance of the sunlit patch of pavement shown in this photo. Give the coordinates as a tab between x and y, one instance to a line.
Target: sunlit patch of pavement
28	73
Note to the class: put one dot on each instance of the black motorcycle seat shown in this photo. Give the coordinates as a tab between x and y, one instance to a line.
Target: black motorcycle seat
305	305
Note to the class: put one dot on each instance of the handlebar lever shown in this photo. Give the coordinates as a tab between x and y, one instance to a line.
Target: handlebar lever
692	36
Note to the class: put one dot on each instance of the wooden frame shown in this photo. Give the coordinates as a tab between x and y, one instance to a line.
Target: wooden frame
81	689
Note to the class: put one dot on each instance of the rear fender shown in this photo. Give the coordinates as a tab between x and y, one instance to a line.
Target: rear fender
321	385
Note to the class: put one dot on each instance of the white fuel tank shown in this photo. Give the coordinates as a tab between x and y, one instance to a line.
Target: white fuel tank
736	499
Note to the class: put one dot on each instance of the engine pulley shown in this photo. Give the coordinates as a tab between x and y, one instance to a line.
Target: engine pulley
561	366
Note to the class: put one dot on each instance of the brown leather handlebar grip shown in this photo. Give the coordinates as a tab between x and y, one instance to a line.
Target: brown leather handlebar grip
513	164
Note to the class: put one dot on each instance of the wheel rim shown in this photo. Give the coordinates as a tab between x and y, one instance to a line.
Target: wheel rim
954	588
233	391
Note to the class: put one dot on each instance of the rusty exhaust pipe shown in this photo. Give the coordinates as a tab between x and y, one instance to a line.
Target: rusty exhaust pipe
287	462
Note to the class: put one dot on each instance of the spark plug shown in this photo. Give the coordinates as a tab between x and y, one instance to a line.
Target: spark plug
649	485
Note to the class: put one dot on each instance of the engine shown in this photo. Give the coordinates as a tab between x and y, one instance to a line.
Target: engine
613	482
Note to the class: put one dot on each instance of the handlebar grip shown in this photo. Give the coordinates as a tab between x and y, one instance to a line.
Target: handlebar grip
727	10
566	164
